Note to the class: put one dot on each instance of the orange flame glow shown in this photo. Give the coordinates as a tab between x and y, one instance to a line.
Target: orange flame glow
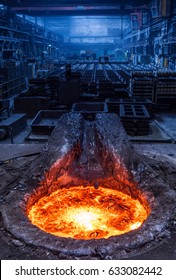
86	213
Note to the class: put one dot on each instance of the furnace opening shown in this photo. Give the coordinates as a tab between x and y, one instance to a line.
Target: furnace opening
95	197
87	213
89	196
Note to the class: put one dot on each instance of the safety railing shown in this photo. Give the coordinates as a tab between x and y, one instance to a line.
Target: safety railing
13	87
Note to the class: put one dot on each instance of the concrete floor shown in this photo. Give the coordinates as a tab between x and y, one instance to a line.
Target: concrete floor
167	122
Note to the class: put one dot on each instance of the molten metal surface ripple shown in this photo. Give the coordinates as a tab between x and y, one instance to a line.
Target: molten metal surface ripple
87	213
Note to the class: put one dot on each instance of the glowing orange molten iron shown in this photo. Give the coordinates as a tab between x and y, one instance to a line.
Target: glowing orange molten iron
86	213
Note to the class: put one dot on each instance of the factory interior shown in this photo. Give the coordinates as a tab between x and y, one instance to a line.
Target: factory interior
87	129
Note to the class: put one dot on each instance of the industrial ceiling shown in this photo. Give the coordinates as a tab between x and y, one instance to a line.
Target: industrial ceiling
76	7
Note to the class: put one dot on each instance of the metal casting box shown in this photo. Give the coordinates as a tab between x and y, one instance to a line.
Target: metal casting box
30	105
45	121
90	109
14	124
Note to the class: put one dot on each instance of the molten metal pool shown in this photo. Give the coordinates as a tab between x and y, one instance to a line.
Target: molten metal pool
87	213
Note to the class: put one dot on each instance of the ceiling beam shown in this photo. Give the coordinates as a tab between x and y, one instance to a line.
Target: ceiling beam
79	7
26	3
74	10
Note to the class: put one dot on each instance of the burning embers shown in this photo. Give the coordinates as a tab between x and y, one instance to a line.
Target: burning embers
89	195
87	213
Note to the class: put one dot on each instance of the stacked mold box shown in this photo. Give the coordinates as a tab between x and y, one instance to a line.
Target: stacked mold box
135	119
142	85
30	105
45	121
149	105
114	104
13	125
166	87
